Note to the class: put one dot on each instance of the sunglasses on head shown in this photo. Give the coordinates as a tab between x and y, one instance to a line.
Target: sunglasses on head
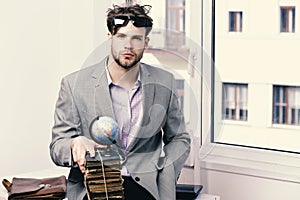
122	20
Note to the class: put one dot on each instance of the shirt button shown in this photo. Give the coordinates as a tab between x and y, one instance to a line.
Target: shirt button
137	179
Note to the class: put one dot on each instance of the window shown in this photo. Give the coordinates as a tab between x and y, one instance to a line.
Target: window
235	21
175	24
176	15
262	113
286	105
287	19
180	91
235	101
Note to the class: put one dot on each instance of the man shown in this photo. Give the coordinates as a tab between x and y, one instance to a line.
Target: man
143	101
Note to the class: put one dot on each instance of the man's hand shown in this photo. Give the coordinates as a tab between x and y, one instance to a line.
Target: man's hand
80	146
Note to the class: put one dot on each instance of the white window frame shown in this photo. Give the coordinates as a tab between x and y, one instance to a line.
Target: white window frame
235	98
256	162
289	103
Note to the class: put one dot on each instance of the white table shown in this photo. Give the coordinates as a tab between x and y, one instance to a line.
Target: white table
207	197
58	171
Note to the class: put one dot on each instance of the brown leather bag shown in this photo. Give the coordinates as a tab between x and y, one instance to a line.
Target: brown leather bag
32	188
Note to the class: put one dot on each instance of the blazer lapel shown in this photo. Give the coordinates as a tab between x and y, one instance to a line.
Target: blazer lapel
148	90
102	100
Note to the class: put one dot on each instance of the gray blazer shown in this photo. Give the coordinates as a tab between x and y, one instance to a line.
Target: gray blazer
85	94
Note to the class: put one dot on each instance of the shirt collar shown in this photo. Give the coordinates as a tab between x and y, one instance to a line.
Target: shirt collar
109	80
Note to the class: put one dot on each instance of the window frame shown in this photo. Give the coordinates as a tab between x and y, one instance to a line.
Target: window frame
243	160
177	10
235	116
288	17
285	108
237	18
175	38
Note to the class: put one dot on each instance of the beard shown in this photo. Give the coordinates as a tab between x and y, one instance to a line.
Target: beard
128	63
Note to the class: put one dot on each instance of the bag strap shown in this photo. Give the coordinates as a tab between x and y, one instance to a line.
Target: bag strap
7	185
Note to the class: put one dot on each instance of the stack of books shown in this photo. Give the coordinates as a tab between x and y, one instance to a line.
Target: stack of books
103	178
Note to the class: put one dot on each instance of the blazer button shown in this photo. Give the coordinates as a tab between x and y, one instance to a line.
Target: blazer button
137	179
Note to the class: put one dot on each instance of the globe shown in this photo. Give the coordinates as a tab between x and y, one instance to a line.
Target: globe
104	130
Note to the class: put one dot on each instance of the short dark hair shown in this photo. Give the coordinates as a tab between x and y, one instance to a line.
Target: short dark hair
132	10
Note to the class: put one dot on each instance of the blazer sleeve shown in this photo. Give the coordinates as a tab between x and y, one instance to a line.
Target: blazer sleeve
176	138
66	126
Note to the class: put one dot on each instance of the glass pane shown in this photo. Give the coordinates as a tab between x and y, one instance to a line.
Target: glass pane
283	20
283	93
283	114
241	21
242	114
179	84
276	94
297	97
181	21
232	113
231	21
298	119
293	119
293	19
172	20
226	116
276	115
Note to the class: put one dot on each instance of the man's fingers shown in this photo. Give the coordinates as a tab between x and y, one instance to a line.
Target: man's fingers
78	153
92	152
79	157
80	160
80	146
81	163
82	168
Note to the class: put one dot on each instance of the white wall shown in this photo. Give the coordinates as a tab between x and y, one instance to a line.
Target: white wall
232	186
29	67
41	41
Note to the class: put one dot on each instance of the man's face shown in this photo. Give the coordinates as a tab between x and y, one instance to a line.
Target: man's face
128	45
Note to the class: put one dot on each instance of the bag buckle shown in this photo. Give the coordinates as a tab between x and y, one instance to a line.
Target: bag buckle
45	186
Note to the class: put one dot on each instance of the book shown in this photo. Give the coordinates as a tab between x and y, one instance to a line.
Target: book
102	177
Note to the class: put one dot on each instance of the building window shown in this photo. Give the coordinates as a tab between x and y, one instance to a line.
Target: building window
235	101
175	24
286	105
176	15
180	91
287	19
235	21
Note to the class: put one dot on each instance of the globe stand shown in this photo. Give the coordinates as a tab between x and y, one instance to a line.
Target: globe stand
108	152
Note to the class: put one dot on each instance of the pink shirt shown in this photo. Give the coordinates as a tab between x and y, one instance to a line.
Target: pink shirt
128	110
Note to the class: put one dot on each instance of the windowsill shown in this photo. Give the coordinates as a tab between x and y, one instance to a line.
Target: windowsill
235	122
287	32
286	126
288	35
235	32
251	162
